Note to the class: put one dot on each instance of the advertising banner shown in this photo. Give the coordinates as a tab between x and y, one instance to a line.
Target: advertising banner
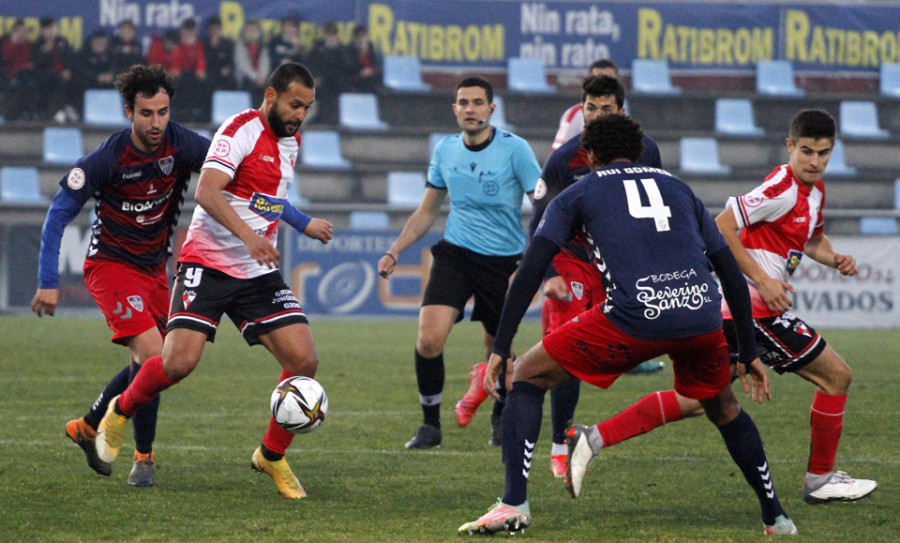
341	278
565	35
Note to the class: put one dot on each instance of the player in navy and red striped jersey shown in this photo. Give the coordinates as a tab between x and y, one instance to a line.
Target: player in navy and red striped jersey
229	265
655	246
571	286
769	230
137	178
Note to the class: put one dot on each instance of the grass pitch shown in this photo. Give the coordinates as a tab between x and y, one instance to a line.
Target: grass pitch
675	484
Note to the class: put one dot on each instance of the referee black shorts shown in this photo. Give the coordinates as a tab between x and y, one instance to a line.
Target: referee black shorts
458	274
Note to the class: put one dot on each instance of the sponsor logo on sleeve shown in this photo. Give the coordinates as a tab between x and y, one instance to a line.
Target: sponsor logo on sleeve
222	148
540	189
267	207
793	261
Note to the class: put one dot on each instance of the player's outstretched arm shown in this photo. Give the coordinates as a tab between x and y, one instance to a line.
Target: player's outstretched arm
319	229
819	248
416	226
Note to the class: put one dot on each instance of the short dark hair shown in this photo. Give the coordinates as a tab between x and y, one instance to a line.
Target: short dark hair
359	30
604	63
288	72
214	20
603	85
47	21
189	24
145	80
329	28
813	123
476	81
614	136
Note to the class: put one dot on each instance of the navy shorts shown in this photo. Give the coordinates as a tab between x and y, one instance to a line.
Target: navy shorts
458	274
256	306
785	342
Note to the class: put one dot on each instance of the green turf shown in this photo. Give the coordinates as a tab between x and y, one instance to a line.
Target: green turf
675	484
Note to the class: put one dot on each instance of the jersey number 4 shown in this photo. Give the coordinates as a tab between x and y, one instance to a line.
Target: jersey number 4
657	210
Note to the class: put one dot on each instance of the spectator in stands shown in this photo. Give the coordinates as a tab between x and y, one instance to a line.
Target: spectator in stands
126	48
328	61
572	121
94	63
162	50
252	62
52	56
219	52
18	73
363	65
189	70
286	46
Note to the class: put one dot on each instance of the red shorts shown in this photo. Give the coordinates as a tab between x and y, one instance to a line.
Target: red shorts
132	302
585	291
594	350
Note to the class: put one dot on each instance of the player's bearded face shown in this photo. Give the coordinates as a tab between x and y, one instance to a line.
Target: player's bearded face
284	124
288	108
149	120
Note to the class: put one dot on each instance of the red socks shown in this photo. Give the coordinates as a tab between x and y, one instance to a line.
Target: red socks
826	419
148	382
651	411
277	439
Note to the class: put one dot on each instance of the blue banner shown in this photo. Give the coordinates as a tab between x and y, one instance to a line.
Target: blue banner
341	278
565	35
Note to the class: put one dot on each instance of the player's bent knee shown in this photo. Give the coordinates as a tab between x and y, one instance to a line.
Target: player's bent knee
305	365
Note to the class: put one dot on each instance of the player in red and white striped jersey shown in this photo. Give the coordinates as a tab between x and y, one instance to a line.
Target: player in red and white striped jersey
571	123
229	264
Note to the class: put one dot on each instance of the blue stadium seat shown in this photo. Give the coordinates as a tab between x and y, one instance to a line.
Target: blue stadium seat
859	119
104	107
776	77
405	188
884	226
837	164
498	118
227	103
62	145
890	79
734	117
20	185
527	75
897	193
359	111
404	73
652	77
701	156
322	149
367	220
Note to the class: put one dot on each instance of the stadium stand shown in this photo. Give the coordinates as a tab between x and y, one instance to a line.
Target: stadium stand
359	111
734	117
103	107
859	119
227	103
62	145
700	156
367	220
527	75
404	74
776	77
322	149
889	79
652	77
19	185
405	188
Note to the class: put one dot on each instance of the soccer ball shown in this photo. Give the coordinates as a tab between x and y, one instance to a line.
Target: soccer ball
299	404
